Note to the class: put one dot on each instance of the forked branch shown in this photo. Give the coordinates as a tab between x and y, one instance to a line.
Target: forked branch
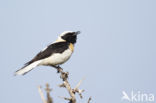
65	84
49	98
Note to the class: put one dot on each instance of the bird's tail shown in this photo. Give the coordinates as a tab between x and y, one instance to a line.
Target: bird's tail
27	68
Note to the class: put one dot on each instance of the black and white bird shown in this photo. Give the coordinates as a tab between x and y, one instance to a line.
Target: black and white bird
54	54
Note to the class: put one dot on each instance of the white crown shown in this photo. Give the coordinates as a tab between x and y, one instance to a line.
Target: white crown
65	32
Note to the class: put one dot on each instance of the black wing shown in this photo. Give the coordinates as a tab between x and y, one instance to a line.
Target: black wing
58	47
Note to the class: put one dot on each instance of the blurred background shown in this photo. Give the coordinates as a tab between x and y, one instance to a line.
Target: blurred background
115	51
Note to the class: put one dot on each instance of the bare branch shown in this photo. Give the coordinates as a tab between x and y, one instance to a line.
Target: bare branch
65	98
76	89
49	98
65	84
78	85
62	85
64	77
41	94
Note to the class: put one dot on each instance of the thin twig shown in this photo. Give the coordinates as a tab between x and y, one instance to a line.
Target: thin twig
78	85
65	98
41	94
64	77
49	98
65	84
76	89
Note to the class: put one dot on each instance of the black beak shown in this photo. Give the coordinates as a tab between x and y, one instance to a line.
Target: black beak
78	32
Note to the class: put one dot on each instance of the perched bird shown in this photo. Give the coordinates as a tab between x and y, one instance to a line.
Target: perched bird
54	54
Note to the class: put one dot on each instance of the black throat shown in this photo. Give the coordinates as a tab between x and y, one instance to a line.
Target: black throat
70	38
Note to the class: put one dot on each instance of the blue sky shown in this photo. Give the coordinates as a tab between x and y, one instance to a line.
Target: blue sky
115	51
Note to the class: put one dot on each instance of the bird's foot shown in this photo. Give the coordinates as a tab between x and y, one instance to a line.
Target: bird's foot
59	69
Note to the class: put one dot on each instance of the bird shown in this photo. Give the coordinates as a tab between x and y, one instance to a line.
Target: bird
54	54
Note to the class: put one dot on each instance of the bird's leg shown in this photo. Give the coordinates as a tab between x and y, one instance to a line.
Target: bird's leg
59	69
64	75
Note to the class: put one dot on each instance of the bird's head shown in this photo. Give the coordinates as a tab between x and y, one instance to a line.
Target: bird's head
69	36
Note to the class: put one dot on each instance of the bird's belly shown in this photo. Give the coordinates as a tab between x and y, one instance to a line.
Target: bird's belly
58	58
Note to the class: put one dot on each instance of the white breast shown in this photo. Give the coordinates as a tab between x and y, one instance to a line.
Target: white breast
57	58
